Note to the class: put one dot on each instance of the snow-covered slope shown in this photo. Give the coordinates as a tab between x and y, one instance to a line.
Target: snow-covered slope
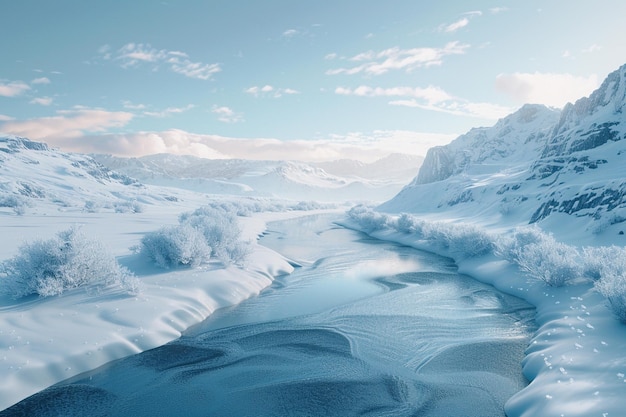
536	165
332	181
32	174
396	166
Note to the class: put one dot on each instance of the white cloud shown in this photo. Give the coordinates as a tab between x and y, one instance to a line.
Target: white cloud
459	107
270	91
169	111
135	54
5	118
430	98
42	80
67	124
431	94
290	32
131	106
453	27
13	88
43	101
366	146
496	10
331	56
550	89
377	63
226	114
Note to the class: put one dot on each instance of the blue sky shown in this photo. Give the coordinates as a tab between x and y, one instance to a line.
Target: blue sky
289	79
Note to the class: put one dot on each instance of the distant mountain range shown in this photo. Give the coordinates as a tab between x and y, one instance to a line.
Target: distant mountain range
34	176
536	165
327	181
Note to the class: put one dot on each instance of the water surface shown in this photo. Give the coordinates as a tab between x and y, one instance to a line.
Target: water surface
361	328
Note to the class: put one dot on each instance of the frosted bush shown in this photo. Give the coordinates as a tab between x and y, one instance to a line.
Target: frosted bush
172	246
128	207
200	234
608	266
70	260
613	287
92	206
550	261
603	260
221	232
465	240
408	224
369	219
16	202
508	247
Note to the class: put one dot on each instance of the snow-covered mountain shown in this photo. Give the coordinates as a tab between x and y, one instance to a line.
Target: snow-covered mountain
32	174
535	165
396	166
330	181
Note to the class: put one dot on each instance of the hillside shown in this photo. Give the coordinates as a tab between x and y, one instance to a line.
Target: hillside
330	181
33	175
537	165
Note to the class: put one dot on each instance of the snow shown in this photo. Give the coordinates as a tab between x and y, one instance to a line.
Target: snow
566	175
575	361
571	184
46	340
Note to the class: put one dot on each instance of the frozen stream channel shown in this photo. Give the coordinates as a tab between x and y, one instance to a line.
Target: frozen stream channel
361	328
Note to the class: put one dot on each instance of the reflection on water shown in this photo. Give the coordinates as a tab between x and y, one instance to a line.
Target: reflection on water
362	328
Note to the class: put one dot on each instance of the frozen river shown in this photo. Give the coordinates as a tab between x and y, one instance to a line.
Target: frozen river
362	327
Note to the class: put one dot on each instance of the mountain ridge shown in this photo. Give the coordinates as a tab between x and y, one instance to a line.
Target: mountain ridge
570	163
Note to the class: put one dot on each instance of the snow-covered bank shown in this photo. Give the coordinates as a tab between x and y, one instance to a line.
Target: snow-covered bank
46	340
575	361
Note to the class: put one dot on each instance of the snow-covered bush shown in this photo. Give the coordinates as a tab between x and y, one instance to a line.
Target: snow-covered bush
16	202
204	232
541	256
608	266
408	224
613	287
128	207
603	260
69	260
221	232
92	206
370	220
172	246
462	240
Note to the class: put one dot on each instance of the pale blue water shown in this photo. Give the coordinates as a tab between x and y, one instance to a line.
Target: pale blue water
361	328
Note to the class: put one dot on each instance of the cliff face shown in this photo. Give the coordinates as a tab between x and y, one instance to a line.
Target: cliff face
534	164
519	136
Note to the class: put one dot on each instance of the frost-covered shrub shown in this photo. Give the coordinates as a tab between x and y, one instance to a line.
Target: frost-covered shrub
369	219
463	240
603	260
509	246
204	232
16	202
69	260
92	206
172	246
408	224
128	207
608	266
540	255
614	289
221	232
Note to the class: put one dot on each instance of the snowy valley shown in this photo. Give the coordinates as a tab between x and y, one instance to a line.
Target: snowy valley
534	206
